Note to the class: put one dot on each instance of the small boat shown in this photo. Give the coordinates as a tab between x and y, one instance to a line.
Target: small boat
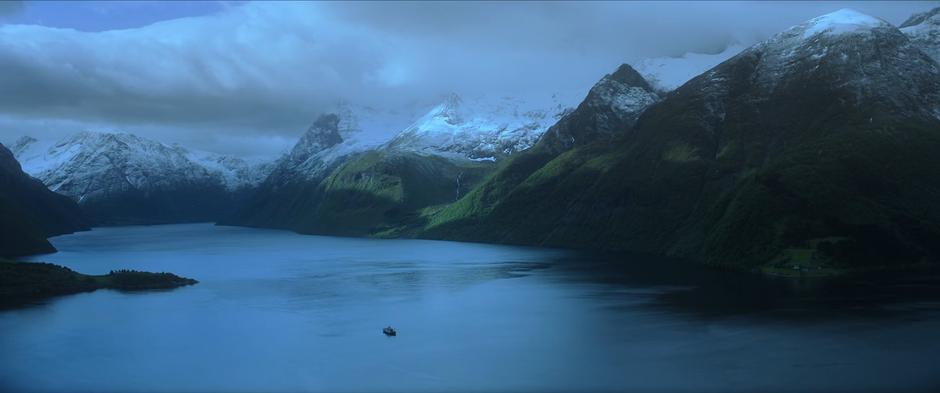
389	331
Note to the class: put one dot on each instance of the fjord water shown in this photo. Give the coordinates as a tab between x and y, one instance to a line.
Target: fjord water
277	311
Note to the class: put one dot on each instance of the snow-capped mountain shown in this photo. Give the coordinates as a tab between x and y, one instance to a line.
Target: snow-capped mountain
822	138
611	107
74	165
668	73
236	173
482	128
342	130
924	31
316	150
292	189
89	164
849	45
845	47
349	148
365	127
123	178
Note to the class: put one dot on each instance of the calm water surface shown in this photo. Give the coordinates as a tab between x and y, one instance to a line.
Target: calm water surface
276	311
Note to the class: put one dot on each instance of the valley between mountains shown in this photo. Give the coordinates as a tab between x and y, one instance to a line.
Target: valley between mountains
813	151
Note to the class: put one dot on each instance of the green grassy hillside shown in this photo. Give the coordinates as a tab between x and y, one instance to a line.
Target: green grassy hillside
379	192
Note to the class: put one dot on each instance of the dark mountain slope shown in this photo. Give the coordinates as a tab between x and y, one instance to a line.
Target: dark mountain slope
123	179
611	108
291	193
813	149
29	212
381	191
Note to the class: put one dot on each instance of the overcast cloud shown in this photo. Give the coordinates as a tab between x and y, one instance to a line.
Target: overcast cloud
248	79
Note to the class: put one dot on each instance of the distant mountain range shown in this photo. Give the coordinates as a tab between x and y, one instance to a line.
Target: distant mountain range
120	178
125	179
812	150
330	183
481	128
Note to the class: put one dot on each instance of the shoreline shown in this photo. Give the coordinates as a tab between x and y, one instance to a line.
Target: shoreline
24	283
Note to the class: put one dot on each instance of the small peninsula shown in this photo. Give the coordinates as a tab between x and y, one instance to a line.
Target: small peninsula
26	282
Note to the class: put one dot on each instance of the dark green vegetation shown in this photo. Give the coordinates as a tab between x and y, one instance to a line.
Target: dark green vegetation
827	164
596	120
376	193
29	212
26	282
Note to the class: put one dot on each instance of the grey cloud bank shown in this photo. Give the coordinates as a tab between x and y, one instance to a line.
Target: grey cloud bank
249	79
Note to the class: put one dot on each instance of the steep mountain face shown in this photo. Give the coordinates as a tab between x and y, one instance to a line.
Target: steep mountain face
610	109
379	192
29	212
391	190
814	149
482	128
924	31
363	127
289	195
327	185
339	179
124	179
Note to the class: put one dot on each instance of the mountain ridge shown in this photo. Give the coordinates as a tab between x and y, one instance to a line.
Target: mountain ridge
729	168
121	178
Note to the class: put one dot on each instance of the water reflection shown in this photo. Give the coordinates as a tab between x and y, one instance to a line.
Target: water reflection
699	292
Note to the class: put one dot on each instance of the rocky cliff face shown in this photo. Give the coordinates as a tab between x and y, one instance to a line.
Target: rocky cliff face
291	192
610	108
924	31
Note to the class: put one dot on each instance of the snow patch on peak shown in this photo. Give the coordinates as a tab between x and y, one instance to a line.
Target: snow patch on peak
842	21
24	141
359	128
932	16
671	72
364	127
847	40
924	32
91	163
482	127
621	97
236	173
449	110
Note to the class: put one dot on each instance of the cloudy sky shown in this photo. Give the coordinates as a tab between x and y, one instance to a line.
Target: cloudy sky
247	78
